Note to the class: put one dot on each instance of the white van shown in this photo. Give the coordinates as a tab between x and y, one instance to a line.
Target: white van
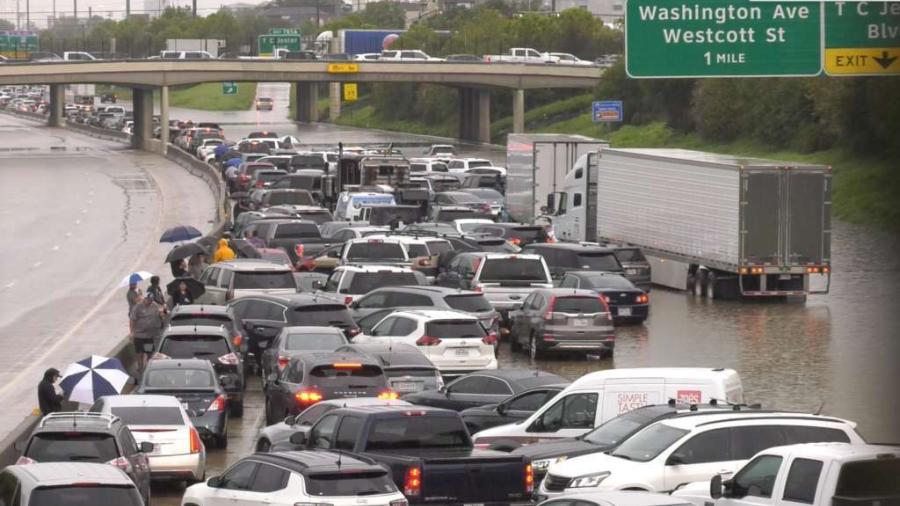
350	205
599	396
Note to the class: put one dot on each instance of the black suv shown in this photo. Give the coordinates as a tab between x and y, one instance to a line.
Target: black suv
313	377
89	437
212	344
563	257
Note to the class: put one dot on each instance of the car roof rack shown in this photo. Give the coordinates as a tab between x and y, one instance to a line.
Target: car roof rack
75	415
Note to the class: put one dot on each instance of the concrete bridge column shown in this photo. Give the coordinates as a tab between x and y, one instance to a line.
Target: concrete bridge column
474	114
164	118
142	105
57	105
334	101
306	98
518	111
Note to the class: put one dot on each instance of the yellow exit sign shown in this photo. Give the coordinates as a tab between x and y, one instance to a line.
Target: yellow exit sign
343	68
350	92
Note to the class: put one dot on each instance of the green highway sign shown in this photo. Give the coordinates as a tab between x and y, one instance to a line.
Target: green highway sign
229	88
862	38
269	43
284	31
722	38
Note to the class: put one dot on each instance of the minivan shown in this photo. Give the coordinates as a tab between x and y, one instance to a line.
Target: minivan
599	396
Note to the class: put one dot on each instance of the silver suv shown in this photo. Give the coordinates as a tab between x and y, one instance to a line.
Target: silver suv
225	281
67	483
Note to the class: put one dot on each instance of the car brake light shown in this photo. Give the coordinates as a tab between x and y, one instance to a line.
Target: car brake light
159	356
298	250
423	262
605	299
412	482
529	479
122	463
217	405
490	338
196	443
476	288
388	395
515	242
548	315
352	331
308	396
643	299
237	340
23	460
428	341
348	300
229	359
283	361
347	365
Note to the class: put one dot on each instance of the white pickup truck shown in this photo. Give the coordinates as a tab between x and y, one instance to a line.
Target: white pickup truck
817	474
521	55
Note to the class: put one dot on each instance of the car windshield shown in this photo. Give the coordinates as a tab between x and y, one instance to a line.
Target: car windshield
464	198
194	346
612	432
578	305
351	483
499	270
480	163
291	198
309	162
617	282
526	234
475	303
365	282
416	250
471	226
180	378
180	320
86	495
630	255
296	231
650	442
869	479
399	372
438	247
454	329
264	280
375	251
416	431
597	261
149	415
314	341
448	215
488	194
72	447
327	315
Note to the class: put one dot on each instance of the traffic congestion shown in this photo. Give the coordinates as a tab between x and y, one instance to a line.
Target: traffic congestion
352	317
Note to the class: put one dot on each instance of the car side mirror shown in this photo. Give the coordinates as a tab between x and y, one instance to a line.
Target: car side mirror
147	447
214	482
715	487
676	459
317	285
501	409
298	438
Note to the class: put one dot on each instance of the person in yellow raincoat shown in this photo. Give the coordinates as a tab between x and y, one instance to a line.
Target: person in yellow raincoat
223	253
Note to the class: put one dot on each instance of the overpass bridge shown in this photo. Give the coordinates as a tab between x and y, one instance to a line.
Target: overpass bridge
473	80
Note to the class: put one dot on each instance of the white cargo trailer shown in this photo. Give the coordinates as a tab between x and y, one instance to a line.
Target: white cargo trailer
717	225
536	166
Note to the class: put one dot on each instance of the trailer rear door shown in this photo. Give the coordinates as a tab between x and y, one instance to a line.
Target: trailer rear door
761	208
809	218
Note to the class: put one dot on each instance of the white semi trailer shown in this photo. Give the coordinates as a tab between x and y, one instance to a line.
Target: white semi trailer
717	225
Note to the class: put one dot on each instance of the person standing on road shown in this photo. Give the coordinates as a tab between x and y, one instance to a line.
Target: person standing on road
196	266
155	292
147	320
179	268
49	400
133	294
182	296
230	177
223	253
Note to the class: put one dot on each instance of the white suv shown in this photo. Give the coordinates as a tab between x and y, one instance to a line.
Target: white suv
455	342
461	165
354	281
675	451
67	482
292	478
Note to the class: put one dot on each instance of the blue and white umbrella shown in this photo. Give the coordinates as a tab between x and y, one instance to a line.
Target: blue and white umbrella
135	278
89	379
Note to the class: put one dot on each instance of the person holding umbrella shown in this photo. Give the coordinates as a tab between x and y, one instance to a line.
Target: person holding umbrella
147	320
49	400
182	295
196	265
179	268
132	295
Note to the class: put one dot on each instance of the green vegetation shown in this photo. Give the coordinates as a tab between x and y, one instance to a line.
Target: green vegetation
209	97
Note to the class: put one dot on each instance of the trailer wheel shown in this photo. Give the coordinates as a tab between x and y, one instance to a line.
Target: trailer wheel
699	282
711	285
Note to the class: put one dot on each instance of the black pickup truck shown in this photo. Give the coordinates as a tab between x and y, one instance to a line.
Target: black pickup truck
429	452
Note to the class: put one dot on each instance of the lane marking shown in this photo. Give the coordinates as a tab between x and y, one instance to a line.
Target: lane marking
36	265
55	247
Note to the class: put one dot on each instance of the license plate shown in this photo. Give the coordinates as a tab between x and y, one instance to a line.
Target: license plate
406	387
581	322
462	352
631	272
624	311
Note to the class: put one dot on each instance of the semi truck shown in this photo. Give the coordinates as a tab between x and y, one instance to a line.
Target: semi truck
536	166
717	226
211	46
363	41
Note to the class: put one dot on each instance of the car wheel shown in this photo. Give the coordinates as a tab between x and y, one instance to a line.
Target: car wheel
514	343
237	409
710	291
533	350
268	412
221	440
264	446
699	283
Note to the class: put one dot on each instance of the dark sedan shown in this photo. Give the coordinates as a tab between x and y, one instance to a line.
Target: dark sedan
484	387
194	383
296	340
512	410
626	302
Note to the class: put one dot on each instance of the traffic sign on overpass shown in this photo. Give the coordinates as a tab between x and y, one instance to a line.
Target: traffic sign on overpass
229	88
722	38
862	38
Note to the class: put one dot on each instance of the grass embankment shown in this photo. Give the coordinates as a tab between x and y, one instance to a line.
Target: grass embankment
204	97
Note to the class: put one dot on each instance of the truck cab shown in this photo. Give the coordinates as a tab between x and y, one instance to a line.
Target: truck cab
572	210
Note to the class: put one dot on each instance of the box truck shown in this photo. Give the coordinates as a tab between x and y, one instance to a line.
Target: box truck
719	226
536	166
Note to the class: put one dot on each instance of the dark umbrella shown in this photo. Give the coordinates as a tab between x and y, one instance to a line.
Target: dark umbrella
179	234
195	288
186	250
208	242
244	249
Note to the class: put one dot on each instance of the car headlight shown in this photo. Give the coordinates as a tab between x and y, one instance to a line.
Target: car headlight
541	464
589	480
